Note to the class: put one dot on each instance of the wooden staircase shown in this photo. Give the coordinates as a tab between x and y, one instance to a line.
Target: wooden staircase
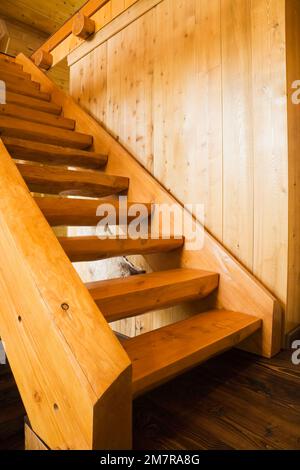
57	159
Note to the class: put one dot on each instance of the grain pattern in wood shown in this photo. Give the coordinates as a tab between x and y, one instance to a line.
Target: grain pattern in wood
59	180
52	154
126	297
162	354
27	90
43	59
32	103
14	127
88	248
39	117
19	78
238	290
82	212
82	26
68	406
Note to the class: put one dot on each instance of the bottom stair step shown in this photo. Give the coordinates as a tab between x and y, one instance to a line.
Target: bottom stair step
163	354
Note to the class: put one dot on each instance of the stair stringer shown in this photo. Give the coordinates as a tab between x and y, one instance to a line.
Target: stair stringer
238	290
73	375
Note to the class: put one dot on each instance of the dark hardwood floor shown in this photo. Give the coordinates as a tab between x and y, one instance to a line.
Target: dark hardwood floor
235	401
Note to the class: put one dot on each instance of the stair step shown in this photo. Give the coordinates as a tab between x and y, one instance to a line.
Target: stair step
32	103
30	91
163	354
92	248
18	79
13	127
53	154
77	212
15	72
127	297
27	114
8	64
57	180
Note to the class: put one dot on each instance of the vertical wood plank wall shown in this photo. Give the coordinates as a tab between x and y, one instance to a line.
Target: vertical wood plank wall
196	91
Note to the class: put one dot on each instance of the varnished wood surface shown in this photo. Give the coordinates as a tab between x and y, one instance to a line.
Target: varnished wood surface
13	72
92	248
68	394
65	29
162	354
52	154
235	401
33	103
79	212
19	78
171	73
14	127
178	63
134	295
39	117
60	180
6	64
239	290
14	87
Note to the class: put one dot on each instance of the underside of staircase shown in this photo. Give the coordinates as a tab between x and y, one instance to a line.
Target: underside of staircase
76	378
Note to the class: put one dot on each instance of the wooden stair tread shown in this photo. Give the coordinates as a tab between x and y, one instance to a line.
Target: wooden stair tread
162	354
134	295
10	65
77	212
53	154
57	180
19	79
14	72
14	127
92	248
23	89
32	103
27	114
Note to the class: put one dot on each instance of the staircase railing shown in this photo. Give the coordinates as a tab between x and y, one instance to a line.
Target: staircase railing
73	375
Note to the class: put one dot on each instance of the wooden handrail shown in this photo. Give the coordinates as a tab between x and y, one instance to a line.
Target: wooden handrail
88	9
73	375
100	12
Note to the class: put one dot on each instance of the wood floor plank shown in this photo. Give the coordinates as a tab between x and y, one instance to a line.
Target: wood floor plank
13	127
162	354
27	114
92	248
32	103
127	297
79	212
59	180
